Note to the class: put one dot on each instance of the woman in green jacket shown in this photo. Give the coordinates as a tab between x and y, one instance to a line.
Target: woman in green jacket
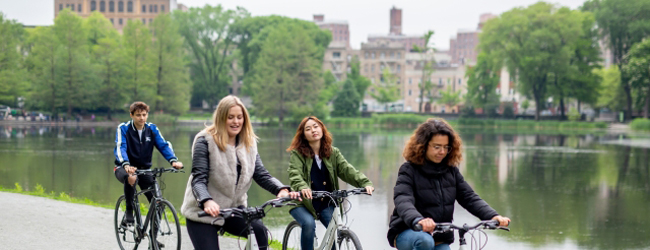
315	165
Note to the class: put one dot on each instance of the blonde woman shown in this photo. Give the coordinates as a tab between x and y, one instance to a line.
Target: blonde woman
224	164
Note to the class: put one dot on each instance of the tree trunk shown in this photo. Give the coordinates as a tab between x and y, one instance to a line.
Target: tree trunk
562	114
628	94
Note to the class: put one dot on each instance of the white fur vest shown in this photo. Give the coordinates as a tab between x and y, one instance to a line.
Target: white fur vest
222	178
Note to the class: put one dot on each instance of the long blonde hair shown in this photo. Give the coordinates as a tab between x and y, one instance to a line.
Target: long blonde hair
219	130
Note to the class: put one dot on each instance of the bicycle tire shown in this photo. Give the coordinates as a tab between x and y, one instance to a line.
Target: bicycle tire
126	236
166	227
291	238
348	240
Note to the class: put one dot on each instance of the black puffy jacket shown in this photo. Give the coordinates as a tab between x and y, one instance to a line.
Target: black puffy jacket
429	191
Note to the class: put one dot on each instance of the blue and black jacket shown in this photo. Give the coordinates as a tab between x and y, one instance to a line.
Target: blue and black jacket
135	151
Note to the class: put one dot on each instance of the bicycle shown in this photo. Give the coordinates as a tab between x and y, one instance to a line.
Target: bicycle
249	214
446	227
345	238
161	217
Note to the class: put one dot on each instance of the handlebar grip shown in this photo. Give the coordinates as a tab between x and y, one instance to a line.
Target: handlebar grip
417	228
203	214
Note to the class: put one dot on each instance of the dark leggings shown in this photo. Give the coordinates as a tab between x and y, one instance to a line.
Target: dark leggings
205	236
144	181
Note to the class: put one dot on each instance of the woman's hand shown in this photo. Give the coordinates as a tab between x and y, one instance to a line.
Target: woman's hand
306	193
369	190
428	225
503	221
285	193
211	208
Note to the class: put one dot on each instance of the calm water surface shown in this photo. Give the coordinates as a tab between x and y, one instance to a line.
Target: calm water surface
561	191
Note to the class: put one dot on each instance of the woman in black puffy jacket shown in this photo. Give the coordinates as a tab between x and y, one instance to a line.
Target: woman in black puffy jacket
427	186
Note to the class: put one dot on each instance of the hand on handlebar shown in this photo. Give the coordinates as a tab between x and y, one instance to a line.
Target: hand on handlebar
211	208
503	221
369	190
285	193
177	165
428	225
129	170
306	193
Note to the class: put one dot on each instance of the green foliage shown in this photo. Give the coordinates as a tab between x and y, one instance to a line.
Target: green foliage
12	75
386	90
361	83
508	110
640	124
428	67
637	69
574	115
449	97
209	39
611	93
347	102
172	78
482	81
525	105
138	58
286	77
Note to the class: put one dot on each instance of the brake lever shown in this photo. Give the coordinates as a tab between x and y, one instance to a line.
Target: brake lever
504	228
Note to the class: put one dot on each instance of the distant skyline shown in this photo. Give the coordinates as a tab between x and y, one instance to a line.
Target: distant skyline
364	17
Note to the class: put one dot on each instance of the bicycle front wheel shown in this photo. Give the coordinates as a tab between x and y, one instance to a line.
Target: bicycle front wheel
127	237
348	240
291	239
165	228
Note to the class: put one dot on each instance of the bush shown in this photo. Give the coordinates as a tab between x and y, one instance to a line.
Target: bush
640	124
508	111
467	112
574	115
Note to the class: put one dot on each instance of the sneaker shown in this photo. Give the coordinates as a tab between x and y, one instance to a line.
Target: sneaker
160	245
128	217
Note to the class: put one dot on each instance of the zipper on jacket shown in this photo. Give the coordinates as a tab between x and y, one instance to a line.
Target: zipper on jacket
442	198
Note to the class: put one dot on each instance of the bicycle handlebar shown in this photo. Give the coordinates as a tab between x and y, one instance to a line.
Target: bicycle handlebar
446	227
337	194
251	212
157	171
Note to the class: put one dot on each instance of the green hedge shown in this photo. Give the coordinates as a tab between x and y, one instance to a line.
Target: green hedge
640	124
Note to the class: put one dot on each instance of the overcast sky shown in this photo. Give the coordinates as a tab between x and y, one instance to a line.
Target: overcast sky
363	16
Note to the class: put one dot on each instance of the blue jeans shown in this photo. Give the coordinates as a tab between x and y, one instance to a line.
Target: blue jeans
308	224
412	240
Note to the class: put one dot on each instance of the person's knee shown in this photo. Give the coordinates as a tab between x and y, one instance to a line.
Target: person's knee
132	179
424	241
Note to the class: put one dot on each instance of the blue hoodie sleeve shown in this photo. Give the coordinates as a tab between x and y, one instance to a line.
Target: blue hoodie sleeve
165	147
121	158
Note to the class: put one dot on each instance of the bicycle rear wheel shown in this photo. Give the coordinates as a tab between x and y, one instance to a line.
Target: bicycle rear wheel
165	228
126	234
348	240
291	239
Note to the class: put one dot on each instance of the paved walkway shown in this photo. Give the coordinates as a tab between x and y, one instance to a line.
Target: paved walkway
31	222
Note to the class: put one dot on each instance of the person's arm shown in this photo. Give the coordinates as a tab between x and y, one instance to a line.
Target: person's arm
165	147
265	180
200	171
347	172
121	157
295	170
467	198
404	199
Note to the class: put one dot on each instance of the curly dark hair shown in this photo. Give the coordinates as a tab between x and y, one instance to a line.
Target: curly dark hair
416	147
300	143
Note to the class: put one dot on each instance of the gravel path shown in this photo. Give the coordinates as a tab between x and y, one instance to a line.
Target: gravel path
31	222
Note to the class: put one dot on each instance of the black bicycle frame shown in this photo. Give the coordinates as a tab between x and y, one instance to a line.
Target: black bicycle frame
142	227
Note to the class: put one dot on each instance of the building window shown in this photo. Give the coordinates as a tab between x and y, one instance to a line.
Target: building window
162	8
72	7
459	81
365	55
112	21
336	54
151	8
144	21
365	68
111	6
372	55
372	68
129	6
79	7
392	54
150	20
399	67
409	92
120	6
120	21
93	6
102	6
155	8
440	81
383	55
144	8
399	55
61	8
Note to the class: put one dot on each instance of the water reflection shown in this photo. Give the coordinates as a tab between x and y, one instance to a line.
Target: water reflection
562	191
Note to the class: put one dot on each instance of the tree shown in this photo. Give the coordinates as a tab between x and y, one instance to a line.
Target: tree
346	103
138	59
638	71
42	64
532	42
210	39
12	75
286	77
483	79
621	23
386	90
449	97
172	78
611	94
361	83
428	62
111	92
75	69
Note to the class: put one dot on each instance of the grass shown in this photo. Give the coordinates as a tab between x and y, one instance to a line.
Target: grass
640	124
40	191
